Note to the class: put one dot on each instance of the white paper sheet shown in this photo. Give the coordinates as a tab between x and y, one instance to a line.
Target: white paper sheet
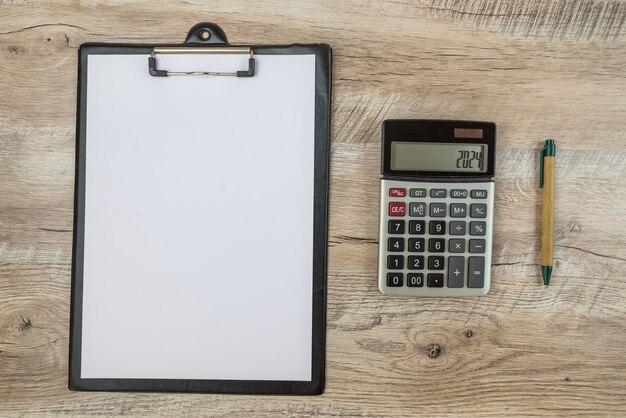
199	219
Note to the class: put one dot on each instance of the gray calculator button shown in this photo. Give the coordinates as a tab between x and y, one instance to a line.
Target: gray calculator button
478	210
479	194
477	246
417	209
456	245
458	193
478	228
441	193
417	192
456	267
458	210
437	210
457	228
476	272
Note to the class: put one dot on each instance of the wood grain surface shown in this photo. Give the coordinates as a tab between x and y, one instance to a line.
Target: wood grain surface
538	69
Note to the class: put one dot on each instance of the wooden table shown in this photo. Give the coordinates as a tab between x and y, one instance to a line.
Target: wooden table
538	69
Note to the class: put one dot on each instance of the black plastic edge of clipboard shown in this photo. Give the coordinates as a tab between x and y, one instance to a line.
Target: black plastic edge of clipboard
323	94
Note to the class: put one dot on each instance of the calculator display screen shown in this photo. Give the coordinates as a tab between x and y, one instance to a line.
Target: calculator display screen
435	156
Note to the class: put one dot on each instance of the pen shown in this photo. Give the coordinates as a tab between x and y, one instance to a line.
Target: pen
546	182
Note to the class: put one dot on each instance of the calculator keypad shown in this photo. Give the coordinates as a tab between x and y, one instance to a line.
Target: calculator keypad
435	238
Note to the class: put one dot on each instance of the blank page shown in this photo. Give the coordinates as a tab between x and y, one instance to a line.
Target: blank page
198	241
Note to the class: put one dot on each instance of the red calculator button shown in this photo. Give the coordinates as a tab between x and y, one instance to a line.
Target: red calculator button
397	192
397	208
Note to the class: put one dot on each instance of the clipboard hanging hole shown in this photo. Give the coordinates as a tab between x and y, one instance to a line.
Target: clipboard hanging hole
204	34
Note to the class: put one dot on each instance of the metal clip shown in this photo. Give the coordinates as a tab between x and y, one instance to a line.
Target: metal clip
152	66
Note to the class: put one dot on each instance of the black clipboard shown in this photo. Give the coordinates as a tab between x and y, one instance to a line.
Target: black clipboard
202	38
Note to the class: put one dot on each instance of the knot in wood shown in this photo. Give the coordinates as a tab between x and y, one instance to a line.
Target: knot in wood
434	350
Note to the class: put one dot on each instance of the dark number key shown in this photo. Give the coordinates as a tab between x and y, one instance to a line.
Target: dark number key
415	279
437	227
395	244
436	245
416	262
435	262
417	227
395	262
435	279
394	279
416	245
395	227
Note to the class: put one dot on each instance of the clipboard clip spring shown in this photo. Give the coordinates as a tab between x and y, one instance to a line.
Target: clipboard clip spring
152	65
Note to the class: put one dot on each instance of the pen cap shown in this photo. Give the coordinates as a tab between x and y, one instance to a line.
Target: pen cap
548	150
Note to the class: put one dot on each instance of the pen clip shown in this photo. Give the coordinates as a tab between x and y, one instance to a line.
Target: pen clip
548	150
541	167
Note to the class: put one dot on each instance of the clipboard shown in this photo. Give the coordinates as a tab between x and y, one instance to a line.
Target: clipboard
200	217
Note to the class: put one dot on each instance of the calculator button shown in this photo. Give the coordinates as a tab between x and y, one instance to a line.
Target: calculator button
476	272
478	228
435	280
415	279
478	210
416	245
435	262
458	210
395	262
394	279
417	227
417	209
438	210
458	193
457	227
479	194
397	208
441	193
436	245
416	262
456	245
456	271
417	192
395	244
437	227
395	227
477	246
397	192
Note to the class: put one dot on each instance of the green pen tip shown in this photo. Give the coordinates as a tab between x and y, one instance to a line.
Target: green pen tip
546	272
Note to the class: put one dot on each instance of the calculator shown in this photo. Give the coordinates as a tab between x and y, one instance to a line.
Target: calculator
436	207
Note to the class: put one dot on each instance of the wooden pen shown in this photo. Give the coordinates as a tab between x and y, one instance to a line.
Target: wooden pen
546	183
